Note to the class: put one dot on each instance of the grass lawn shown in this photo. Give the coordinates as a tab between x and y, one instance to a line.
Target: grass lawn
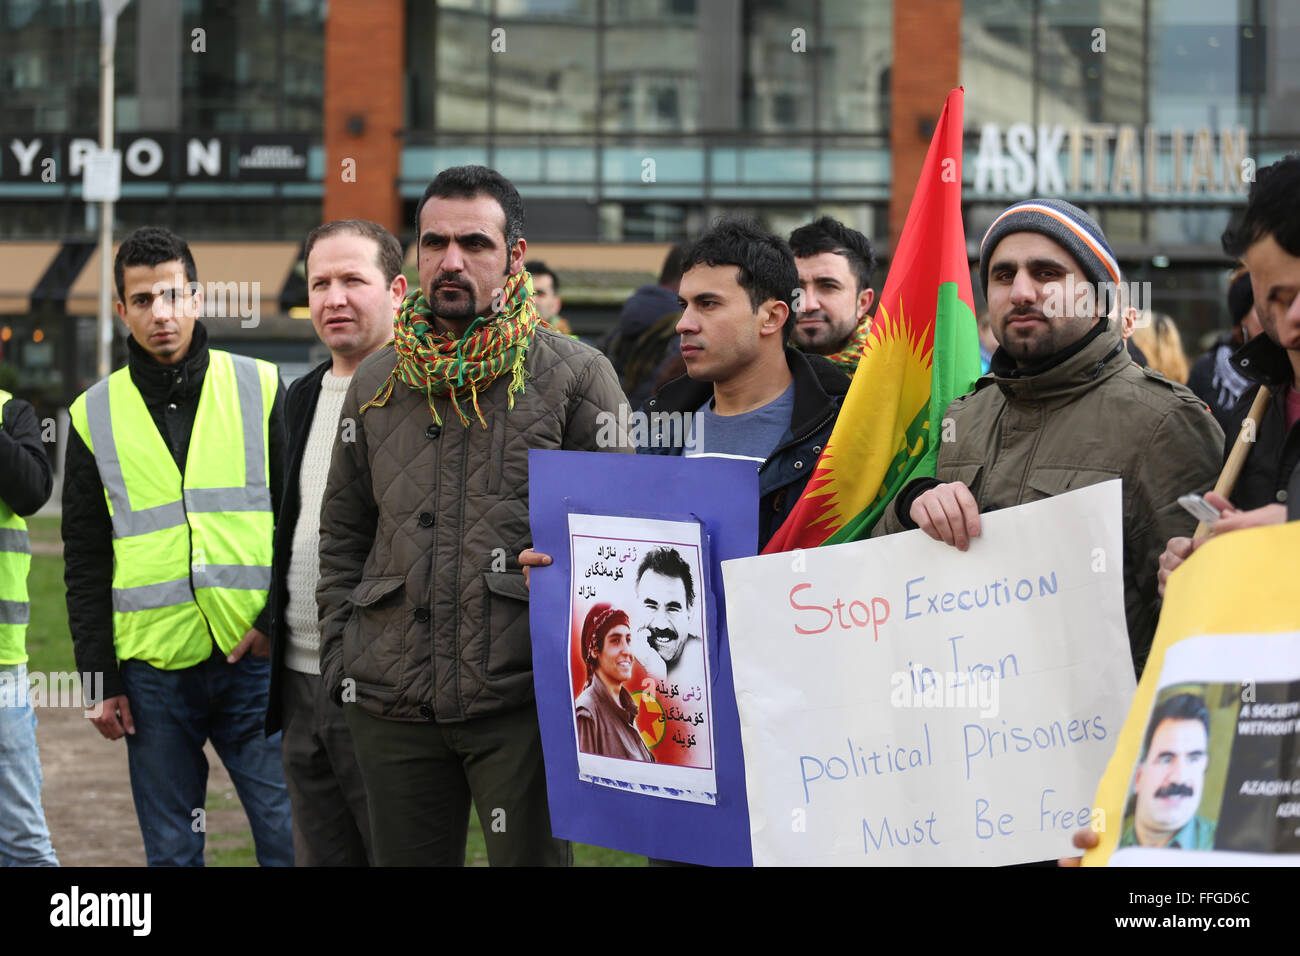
49	647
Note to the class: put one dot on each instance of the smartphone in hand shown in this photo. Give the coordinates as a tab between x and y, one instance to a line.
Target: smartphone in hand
1199	508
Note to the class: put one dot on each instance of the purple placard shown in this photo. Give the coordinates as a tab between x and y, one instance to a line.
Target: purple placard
720	495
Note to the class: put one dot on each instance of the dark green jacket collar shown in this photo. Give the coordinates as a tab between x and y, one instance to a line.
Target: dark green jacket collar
1078	368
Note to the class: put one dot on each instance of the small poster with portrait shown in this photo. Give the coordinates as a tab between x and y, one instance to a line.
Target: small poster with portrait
1206	771
1218	767
631	655
638	661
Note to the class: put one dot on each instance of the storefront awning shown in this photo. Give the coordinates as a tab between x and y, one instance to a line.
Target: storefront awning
265	264
24	264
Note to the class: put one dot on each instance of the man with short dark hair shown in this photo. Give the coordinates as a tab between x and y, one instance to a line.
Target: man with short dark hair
546	296
747	392
1267	240
1065	407
354	288
424	623
1170	779
835	294
1213	376
171	487
664	595
643	346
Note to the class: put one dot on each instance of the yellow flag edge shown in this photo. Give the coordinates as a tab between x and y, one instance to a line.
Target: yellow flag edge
1235	584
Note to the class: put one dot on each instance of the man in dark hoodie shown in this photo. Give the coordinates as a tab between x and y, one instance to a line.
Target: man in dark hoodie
644	343
170	492
1213	377
747	392
1267	239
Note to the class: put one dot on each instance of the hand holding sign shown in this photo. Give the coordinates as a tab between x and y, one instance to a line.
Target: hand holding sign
948	513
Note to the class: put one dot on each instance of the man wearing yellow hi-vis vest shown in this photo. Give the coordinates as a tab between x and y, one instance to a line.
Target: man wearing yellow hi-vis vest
171	488
25	484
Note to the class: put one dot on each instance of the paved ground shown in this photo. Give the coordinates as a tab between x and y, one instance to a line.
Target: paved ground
87	797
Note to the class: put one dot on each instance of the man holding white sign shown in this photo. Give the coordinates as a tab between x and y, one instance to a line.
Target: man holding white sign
1069	408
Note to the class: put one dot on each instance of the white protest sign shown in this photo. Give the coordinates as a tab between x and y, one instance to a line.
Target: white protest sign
905	703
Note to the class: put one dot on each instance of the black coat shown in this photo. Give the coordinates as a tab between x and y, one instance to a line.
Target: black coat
299	410
1276	453
171	393
25	476
819	390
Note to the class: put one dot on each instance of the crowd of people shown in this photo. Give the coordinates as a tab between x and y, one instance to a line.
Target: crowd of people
330	583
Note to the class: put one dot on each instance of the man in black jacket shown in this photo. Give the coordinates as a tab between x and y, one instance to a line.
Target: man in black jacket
168	712
354	286
1267	239
747	392
25	483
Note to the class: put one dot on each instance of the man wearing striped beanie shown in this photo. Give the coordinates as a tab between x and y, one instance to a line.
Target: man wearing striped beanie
1063	406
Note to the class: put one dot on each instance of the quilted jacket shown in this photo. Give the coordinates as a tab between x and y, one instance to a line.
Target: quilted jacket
422	603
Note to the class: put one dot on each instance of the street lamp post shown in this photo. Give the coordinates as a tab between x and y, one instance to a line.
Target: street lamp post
108	11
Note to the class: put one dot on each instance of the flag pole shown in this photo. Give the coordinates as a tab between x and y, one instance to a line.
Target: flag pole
1240	449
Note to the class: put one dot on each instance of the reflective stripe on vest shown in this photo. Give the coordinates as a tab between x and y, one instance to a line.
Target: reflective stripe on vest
127	522
192	554
15	562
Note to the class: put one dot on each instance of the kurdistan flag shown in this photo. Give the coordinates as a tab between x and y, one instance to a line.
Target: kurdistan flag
922	352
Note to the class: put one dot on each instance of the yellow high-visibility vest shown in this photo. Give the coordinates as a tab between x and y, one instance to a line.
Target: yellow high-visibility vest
15	562
191	556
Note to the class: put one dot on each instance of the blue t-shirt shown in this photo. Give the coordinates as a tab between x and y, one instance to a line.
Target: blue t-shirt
752	436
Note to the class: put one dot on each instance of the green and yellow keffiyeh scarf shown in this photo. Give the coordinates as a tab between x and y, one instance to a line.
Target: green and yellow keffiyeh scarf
436	363
847	358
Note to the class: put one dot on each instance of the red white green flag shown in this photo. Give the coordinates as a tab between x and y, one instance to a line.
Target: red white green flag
921	353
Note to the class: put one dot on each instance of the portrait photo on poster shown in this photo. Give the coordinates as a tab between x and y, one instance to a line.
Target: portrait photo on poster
639	664
1218	769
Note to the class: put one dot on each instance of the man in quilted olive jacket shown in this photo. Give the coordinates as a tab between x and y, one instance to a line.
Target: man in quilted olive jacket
424	613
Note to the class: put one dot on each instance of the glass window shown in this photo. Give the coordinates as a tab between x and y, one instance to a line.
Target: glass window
232	85
853	59
544	63
262	67
462	45
996	62
49	66
302	66
777	85
1089	62
1202	60
1273	60
649	81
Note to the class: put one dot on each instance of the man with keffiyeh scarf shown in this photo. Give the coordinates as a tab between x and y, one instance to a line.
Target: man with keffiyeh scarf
424	614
